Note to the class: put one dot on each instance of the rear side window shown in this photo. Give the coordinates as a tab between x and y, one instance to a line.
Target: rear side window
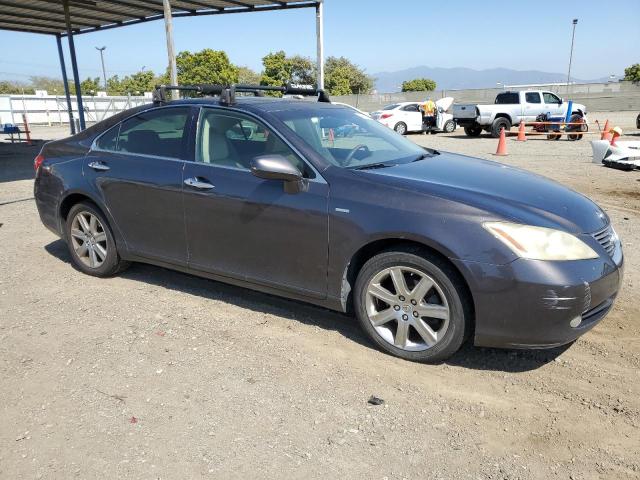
507	98
411	108
159	132
533	97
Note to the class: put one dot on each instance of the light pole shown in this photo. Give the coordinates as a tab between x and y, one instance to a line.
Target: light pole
573	36
104	72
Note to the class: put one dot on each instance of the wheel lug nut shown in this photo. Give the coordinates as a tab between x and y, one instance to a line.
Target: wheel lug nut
396	307
401	298
413	302
405	317
415	314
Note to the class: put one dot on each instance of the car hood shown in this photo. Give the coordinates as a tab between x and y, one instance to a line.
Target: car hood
501	190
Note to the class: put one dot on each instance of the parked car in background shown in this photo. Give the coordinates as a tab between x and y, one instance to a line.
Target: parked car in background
426	248
355	109
512	107
638	122
405	117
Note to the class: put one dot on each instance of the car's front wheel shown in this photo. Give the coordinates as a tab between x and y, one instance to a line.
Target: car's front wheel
91	243
412	305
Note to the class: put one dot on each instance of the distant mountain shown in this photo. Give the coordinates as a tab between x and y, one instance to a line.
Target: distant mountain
461	78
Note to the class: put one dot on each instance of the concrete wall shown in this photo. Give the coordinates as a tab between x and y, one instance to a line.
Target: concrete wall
602	97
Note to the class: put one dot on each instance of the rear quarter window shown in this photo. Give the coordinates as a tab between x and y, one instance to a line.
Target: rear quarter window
507	98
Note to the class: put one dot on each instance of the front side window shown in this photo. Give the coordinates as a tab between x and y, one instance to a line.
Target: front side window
109	140
348	139
160	132
229	139
533	97
551	98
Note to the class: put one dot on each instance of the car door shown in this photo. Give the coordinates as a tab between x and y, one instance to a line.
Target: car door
552	104
245	227
412	116
532	106
136	170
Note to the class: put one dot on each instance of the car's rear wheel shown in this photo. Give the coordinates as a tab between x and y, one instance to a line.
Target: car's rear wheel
449	126
578	124
498	124
412	305
473	130
401	128
91	242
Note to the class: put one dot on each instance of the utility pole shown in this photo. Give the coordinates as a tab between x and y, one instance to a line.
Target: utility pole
104	72
320	44
573	36
168	25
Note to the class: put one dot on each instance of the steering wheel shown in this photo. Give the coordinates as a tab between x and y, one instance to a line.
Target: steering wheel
353	151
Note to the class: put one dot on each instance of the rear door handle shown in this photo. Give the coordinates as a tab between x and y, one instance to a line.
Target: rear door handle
99	166
197	183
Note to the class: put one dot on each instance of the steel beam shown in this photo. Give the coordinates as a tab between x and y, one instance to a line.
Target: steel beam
65	81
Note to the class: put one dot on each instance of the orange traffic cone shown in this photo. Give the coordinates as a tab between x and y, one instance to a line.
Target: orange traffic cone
615	133
605	131
502	144
522	137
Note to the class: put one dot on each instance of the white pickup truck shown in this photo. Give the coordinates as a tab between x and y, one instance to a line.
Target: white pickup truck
510	108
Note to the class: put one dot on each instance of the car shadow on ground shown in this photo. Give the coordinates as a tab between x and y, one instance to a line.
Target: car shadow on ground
467	357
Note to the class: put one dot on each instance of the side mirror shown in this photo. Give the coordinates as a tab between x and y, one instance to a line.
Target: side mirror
277	167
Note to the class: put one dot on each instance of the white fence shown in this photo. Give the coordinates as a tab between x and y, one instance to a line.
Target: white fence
52	109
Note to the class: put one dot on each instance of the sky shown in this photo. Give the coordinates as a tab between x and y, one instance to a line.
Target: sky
377	35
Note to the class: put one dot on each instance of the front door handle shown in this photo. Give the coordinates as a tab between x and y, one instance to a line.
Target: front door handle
197	183
99	166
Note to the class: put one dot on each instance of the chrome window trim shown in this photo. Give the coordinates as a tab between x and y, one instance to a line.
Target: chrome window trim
318	178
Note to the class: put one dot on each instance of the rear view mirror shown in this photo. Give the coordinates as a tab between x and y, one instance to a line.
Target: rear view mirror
277	167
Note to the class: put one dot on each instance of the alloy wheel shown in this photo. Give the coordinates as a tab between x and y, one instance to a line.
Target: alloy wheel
407	308
89	239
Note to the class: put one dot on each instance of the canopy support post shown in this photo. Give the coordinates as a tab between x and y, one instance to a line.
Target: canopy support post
74	65
65	81
168	26
320	44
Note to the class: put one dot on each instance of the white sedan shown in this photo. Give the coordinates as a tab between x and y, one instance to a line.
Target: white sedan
405	117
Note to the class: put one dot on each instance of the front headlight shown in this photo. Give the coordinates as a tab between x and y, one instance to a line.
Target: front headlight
539	243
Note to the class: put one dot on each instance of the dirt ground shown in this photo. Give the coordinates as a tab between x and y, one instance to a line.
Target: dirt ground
157	374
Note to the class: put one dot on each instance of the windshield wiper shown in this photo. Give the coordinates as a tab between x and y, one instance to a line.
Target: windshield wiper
430	154
373	165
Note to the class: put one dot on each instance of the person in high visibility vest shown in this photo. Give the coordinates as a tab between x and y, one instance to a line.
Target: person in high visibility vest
428	110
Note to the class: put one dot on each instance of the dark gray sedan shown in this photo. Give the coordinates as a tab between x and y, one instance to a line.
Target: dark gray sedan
426	248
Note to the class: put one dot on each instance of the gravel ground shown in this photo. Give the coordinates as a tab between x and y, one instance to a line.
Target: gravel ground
157	374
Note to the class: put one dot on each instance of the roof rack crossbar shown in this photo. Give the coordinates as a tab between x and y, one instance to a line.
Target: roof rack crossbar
227	92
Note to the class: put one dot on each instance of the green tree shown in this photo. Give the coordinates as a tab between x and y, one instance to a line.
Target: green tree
90	86
418	85
206	66
246	75
52	85
342	77
632	73
139	82
10	88
280	69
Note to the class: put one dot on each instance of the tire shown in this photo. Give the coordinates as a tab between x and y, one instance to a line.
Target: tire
498	124
401	128
577	118
473	130
447	293
91	243
449	126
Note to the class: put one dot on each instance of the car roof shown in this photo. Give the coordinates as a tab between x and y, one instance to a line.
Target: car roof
265	104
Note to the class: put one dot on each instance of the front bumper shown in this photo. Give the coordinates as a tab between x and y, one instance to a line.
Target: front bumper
537	304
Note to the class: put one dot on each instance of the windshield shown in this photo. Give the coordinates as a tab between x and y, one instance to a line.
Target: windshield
349	139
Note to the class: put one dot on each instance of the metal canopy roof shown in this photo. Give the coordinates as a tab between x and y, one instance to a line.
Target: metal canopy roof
47	16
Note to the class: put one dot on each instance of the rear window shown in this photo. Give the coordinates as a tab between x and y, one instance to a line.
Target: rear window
507	98
391	107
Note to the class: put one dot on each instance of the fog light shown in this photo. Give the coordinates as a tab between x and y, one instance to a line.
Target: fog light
575	322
